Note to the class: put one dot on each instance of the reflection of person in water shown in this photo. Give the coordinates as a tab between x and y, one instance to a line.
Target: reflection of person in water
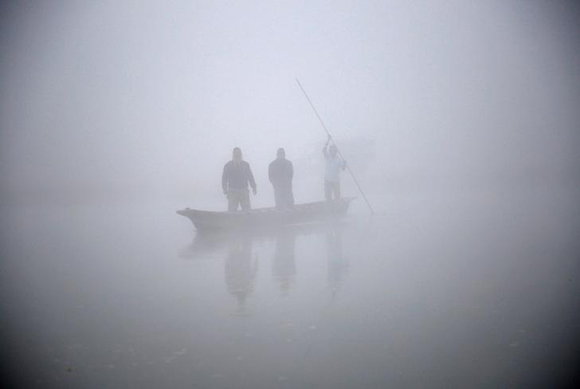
283	265
337	263
240	269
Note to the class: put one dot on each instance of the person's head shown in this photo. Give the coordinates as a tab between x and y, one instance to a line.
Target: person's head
237	154
333	150
281	154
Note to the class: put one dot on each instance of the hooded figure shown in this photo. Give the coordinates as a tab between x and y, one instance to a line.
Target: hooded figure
280	173
235	178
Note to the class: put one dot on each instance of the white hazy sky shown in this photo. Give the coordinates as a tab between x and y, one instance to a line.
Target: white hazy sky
153	95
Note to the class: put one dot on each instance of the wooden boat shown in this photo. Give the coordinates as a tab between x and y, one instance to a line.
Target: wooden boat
266	217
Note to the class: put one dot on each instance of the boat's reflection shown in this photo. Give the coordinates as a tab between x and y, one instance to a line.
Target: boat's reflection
242	256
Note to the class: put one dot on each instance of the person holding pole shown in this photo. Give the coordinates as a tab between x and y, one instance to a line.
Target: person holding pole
334	164
235	178
333	149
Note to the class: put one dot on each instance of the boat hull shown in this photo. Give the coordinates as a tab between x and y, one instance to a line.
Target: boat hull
266	217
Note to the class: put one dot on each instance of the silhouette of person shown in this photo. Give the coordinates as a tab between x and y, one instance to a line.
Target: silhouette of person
235	178
280	173
334	164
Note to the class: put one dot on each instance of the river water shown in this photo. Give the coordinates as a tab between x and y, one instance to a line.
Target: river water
471	289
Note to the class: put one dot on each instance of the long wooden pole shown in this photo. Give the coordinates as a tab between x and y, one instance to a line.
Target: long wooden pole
334	143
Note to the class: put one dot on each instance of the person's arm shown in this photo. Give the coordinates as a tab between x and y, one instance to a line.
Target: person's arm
251	179
271	173
328	141
291	171
225	178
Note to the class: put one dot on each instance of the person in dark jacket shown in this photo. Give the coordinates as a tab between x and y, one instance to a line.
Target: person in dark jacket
280	172
235	178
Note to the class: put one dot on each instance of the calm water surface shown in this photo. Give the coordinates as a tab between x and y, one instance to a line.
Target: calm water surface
462	290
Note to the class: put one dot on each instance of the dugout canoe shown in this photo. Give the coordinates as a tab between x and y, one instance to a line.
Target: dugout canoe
266	217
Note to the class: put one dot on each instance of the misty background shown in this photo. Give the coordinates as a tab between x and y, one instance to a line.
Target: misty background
460	119
133	101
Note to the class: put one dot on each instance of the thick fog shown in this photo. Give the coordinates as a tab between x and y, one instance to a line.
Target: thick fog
145	100
459	119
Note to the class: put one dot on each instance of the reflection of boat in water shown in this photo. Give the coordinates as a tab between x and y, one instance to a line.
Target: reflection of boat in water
266	217
241	250
205	246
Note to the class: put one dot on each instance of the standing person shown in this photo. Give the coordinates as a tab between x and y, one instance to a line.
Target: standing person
334	163
235	178
281	172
